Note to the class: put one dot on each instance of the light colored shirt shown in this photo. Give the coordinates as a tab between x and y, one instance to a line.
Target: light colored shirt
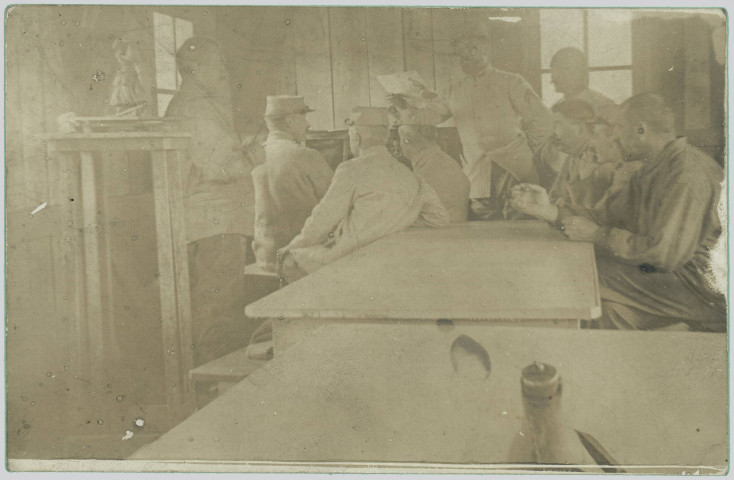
218	192
500	120
369	197
287	187
444	174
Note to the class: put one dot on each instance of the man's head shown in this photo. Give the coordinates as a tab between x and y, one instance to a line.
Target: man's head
569	70
644	126
200	61
287	113
416	138
473	47
573	124
368	127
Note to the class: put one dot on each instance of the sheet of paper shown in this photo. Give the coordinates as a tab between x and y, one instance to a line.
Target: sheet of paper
401	83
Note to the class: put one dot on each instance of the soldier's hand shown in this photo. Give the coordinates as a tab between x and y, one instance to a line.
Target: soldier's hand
398	100
527	197
579	229
533	200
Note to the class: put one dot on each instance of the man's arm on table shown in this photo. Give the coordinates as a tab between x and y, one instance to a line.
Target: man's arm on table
433	212
676	227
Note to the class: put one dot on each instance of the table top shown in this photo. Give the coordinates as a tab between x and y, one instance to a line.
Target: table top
468	271
391	392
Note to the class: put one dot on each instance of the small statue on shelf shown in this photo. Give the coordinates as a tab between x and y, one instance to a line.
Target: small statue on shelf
128	96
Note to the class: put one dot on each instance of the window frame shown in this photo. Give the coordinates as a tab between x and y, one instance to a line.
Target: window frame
590	69
158	91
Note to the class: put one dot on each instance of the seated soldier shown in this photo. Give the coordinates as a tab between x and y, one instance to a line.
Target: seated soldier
291	181
653	237
443	173
370	196
592	159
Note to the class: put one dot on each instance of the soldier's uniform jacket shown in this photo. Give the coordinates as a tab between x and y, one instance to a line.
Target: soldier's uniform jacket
370	196
218	190
444	174
287	187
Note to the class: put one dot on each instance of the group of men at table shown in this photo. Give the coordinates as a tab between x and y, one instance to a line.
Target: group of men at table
613	175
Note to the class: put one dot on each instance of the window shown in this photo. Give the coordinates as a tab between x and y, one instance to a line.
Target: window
169	33
604	35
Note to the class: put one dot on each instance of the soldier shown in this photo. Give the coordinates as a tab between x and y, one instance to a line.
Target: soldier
501	121
290	183
218	199
369	197
438	169
569	74
654	236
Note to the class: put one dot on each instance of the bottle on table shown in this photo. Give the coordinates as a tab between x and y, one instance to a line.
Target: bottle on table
543	437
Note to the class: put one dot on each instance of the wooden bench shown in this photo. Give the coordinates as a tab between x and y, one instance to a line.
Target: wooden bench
223	372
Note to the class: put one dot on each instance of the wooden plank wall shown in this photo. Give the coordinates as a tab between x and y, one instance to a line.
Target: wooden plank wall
333	55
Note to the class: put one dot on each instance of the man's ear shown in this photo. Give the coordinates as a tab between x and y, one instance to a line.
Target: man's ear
641	128
289	121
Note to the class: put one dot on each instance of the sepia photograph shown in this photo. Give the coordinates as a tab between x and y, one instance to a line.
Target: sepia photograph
366	239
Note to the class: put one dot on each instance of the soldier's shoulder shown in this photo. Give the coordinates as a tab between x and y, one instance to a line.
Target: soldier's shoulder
689	161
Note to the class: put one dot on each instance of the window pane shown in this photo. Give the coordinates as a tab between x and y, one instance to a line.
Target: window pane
165	60
184	31
615	84
163	100
548	93
560	28
610	37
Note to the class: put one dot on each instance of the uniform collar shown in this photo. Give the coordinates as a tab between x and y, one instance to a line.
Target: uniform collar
375	150
671	149
280	135
483	73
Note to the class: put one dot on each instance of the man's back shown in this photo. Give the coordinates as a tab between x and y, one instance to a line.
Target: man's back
287	187
384	195
444	174
369	197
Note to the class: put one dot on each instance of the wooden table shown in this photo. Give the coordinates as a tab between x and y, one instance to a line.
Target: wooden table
524	270
657	401
79	153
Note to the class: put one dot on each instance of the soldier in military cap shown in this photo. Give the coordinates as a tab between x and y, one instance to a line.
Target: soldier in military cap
291	181
370	196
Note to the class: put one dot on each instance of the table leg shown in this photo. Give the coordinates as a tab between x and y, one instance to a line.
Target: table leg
94	311
72	252
183	293
169	312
